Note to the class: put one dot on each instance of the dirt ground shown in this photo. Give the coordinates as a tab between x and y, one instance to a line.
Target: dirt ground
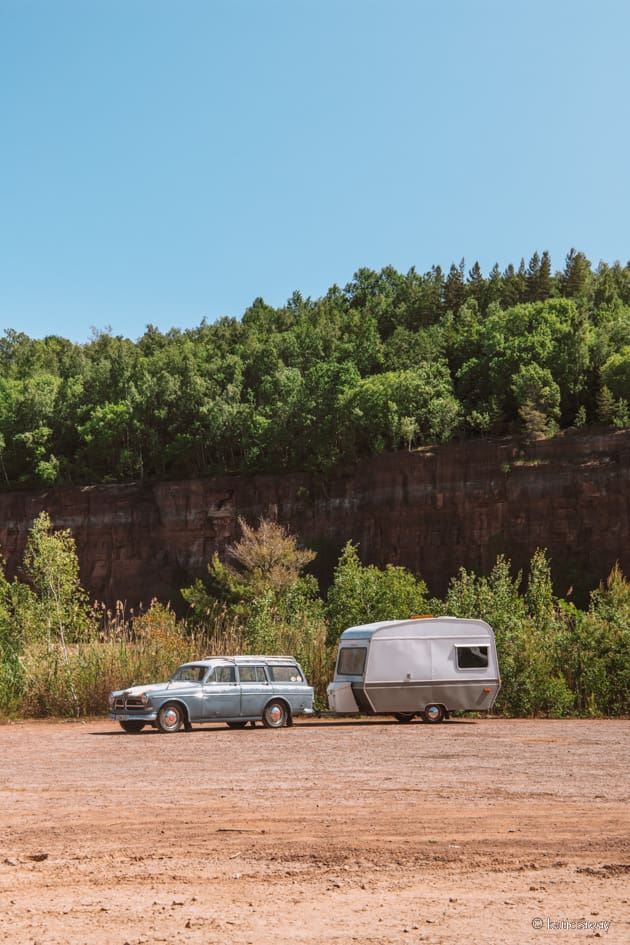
485	831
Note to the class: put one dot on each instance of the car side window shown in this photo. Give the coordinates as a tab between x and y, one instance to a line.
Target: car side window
189	674
221	674
285	674
252	674
226	674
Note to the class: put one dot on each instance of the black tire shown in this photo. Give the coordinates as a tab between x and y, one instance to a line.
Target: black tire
434	713
132	726
171	718
236	724
275	715
404	717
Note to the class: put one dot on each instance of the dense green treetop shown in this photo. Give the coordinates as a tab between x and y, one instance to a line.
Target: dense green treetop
390	361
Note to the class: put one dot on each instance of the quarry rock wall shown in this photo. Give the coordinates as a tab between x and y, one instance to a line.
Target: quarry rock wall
432	510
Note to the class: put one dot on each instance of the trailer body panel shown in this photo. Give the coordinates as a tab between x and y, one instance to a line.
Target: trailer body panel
404	666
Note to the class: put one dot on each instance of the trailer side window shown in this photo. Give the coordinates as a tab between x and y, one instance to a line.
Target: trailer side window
472	657
351	660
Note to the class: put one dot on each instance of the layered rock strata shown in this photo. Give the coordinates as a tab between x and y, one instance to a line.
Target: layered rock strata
432	510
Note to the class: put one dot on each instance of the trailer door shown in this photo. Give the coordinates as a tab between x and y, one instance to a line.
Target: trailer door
398	674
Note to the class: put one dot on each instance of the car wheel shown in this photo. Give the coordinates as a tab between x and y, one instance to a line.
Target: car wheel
133	726
404	717
434	713
236	724
171	718
275	714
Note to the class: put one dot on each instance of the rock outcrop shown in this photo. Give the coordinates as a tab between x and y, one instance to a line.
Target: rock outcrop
432	510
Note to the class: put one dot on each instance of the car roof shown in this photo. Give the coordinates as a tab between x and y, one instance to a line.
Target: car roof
210	660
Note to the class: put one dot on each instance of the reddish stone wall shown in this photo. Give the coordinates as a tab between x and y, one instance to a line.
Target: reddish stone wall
432	510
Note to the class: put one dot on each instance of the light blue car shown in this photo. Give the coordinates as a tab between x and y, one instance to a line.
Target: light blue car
235	690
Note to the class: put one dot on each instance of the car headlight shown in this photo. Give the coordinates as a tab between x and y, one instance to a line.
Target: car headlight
144	699
111	700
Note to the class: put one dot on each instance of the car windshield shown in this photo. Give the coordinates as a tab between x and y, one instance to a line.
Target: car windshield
189	673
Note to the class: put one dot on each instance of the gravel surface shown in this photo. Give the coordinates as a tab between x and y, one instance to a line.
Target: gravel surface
489	831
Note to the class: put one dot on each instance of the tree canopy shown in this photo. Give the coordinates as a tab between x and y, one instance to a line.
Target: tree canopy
391	361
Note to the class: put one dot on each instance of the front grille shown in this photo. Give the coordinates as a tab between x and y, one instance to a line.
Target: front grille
130	702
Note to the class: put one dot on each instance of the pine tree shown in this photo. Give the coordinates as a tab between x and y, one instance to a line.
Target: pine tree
476	285
538	278
494	286
545	278
431	303
533	278
514	286
577	278
454	288
605	405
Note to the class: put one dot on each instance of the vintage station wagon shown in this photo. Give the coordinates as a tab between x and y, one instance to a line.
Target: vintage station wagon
235	690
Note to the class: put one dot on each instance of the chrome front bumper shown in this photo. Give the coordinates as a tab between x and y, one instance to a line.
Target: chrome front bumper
121	716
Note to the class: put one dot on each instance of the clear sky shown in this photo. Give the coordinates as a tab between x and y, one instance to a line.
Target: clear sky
165	161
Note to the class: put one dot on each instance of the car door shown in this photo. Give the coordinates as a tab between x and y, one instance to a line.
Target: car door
255	690
221	694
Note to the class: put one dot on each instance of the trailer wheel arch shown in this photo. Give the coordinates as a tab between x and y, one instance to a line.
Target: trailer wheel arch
434	713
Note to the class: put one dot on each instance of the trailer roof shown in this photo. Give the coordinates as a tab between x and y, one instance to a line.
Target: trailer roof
424	626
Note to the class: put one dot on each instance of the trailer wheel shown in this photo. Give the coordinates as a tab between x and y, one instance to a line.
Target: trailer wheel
434	713
404	717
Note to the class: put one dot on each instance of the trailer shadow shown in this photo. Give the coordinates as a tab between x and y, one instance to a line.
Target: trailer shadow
380	720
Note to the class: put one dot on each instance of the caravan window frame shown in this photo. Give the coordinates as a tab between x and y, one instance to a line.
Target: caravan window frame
351	649
459	647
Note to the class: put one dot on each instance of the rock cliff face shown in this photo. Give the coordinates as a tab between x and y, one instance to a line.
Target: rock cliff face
432	511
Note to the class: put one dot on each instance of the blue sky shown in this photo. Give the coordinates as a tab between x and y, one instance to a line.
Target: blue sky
164	162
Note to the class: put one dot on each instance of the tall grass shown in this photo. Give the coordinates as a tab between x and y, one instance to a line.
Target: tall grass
555	660
124	649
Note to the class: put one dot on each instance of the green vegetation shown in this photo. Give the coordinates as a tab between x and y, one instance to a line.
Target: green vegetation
390	361
59	656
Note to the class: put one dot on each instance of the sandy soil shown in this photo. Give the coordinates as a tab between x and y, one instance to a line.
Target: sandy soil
484	831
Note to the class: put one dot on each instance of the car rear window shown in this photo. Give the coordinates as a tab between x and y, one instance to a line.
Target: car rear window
285	674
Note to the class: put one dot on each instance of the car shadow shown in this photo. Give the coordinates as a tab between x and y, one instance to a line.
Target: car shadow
323	723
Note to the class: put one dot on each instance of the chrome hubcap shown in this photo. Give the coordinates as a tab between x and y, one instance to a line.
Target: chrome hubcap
275	714
433	712
171	717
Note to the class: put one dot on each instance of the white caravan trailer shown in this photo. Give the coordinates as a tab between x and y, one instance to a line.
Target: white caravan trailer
425	666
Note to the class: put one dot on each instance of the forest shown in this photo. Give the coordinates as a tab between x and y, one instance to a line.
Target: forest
390	361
